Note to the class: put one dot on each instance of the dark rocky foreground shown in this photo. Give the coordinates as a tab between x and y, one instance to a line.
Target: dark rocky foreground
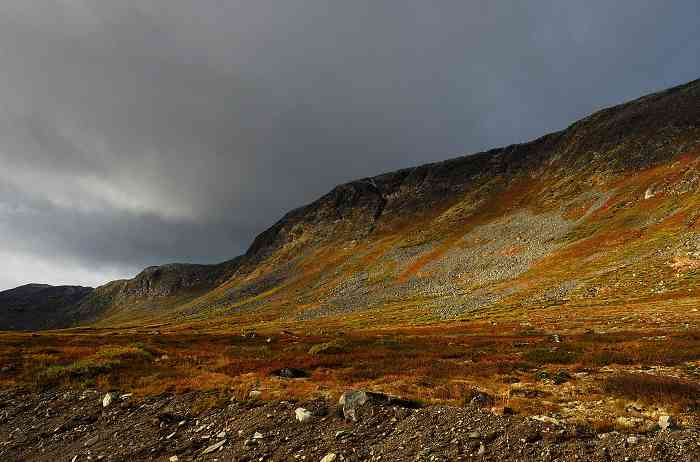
77	426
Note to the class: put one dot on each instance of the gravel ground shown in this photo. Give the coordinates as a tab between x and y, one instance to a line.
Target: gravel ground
75	426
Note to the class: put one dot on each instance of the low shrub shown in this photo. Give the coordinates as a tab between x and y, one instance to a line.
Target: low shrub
654	389
551	356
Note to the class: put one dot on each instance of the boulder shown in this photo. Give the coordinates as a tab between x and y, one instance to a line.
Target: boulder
351	403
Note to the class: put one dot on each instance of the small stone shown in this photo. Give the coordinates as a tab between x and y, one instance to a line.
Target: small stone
258	436
214	447
170	435
221	435
303	415
174	459
329	457
92	441
474	435
482	449
107	400
254	394
632	440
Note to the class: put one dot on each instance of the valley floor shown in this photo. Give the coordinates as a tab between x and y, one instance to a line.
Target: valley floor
595	384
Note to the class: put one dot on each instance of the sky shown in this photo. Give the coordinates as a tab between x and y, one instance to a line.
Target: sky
143	132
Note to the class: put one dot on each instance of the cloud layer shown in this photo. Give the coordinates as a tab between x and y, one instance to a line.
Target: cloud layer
142	132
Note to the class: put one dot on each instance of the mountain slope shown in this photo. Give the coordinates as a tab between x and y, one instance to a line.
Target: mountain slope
603	213
600	212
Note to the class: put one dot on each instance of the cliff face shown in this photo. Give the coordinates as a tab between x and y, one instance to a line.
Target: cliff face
549	221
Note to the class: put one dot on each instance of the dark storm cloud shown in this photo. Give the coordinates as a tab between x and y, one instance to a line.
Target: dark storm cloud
142	132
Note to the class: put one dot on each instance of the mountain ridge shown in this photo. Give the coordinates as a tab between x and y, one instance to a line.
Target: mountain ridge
561	184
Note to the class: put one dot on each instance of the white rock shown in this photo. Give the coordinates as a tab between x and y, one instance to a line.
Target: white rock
303	415
221	435
174	459
107	400
632	439
329	457
257	436
214	447
254	394
666	422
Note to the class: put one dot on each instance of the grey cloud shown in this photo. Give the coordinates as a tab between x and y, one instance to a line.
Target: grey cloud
142	132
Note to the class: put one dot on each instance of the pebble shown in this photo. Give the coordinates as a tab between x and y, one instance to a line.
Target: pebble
329	457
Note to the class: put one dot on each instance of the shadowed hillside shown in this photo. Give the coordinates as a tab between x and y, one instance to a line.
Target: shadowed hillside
40	306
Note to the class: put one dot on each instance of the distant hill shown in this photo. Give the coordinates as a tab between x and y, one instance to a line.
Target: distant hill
604	213
40	306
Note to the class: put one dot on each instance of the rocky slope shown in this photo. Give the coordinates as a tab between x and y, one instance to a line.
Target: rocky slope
604	211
